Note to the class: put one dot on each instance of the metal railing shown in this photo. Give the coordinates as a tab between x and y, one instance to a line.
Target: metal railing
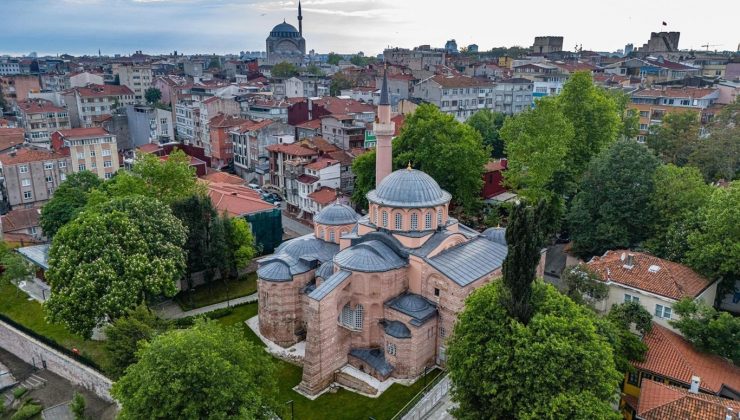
418	406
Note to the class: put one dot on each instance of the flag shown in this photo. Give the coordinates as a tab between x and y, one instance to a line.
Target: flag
665	24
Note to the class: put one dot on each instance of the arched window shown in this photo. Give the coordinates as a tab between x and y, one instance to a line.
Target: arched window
439	217
385	219
414	221
391	349
347	315
399	221
375	215
359	316
353	319
321	233
331	236
428	220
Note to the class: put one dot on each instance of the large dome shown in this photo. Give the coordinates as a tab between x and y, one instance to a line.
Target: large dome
284	30
408	188
337	214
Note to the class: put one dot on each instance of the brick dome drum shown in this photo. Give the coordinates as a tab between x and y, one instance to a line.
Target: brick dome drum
336	215
408	188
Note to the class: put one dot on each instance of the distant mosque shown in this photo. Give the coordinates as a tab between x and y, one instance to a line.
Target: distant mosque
286	43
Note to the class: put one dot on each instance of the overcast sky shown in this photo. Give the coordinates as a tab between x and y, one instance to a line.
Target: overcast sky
347	26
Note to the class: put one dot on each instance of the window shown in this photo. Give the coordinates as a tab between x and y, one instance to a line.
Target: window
106	152
62	164
359	316
428	220
643	126
63	177
331	236
399	221
48	165
644	114
633	378
439	217
27	195
93	165
81	167
414	221
107	164
23	169
80	155
321	233
49	179
391	349
385	219
630	298
375	215
436	292
442	332
25	182
108	175
352	318
92	153
663	311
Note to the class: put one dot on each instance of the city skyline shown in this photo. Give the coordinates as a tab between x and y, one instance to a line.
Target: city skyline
81	27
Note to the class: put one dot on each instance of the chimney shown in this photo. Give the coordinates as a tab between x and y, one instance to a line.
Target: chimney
630	262
729	415
695	381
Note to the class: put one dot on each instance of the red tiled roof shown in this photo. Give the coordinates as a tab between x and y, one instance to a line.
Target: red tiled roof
292	149
236	200
80	133
149	148
93	90
323	144
398	120
671	279
321	164
659	401
20	219
223	178
324	196
38	106
335	105
671	356
10	137
671	65
343	157
311	125
226	121
307	179
685	92
29	154
459	81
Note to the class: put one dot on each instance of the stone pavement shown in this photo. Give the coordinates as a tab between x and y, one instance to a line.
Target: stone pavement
442	410
292	225
35	288
171	310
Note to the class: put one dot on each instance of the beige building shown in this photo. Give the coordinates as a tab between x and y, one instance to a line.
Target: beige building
92	149
40	118
30	175
137	77
653	282
88	105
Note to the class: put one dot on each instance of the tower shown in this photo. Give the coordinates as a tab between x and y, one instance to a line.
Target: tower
384	129
300	19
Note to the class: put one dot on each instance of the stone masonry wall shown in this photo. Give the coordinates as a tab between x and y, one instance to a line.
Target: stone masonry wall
33	351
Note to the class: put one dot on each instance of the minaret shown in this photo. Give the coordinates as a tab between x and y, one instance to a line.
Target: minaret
384	129
300	19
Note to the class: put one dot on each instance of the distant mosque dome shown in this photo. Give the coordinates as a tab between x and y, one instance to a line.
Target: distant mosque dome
284	30
337	214
408	188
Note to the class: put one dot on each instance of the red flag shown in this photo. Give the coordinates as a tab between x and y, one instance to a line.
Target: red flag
665	24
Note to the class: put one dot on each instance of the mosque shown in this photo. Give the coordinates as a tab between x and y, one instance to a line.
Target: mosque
286	43
380	292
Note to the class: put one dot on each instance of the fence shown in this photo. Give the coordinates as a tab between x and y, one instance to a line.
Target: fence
425	400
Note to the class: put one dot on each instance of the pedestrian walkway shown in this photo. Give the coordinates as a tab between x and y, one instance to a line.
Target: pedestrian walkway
171	310
35	288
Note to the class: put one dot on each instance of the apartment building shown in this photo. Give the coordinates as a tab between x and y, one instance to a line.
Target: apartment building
92	149
9	66
30	175
147	124
343	130
250	141
459	96
39	118
654	104
84	78
137	77
88	104
419	58
512	96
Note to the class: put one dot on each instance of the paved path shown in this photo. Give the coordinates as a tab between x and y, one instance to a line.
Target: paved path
171	310
35	288
442	410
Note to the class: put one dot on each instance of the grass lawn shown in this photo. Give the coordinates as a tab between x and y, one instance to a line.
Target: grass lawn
15	305
341	405
208	294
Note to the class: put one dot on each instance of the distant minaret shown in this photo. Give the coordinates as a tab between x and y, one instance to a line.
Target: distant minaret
384	129
300	19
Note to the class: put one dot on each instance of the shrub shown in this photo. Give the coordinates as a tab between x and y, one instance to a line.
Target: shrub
19	392
27	411
77	406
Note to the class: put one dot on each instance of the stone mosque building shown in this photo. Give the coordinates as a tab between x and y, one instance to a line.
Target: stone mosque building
286	43
379	292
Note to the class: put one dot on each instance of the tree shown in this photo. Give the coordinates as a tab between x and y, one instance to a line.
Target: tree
718	156
501	368
206	371
617	329
709	330
610	211
339	82
537	143
630	118
334	59
109	259
215	63
676	137
679	194
595	117
77	406
714	247
488	124
583	286
315	70
68	201
284	70
153	95
364	169
125	333
3	102
430	140
13	266
240	248
198	215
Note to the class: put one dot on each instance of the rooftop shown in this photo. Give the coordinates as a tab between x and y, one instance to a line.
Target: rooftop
294	149
408	188
336	214
38	106
459	81
29	154
19	218
416	306
659	401
93	90
81	133
236	200
10	137
684	92
323	196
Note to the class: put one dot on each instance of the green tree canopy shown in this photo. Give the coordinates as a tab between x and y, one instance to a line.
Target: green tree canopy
314	70
718	156
109	259
363	167
153	95
714	248
537	142
202	372
676	137
198	215
284	70
339	81
334	59
125	333
501	368
68	201
488	124
240	245
14	266
610	211
617	327
709	330
584	286
629	116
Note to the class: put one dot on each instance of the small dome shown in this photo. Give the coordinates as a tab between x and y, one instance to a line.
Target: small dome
370	257
308	246
337	214
283	28
325	270
412	303
409	188
496	234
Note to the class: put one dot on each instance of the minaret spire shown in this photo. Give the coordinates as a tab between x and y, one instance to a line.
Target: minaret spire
384	130
300	19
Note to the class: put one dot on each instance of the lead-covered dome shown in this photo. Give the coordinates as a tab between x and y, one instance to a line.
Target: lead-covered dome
408	188
336	215
284	30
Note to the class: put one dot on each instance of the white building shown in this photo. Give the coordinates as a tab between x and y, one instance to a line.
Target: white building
137	77
87	104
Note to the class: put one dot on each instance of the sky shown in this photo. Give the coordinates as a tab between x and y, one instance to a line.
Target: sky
347	26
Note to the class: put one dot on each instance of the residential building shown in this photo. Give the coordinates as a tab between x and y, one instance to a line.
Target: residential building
343	131
359	93
257	108
30	175
654	104
40	118
512	96
16	88
137	77
10	137
547	44
653	282
321	173
659	401
419	58
222	146
460	96
9	66
92	149
308	129
651	69
303	87
493	178
22	225
147	124
170	86
210	108
54	82
84	78
400	86
250	141
287	160
671	360
88	104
